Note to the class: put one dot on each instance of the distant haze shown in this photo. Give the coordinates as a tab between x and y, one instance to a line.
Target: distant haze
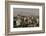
25	11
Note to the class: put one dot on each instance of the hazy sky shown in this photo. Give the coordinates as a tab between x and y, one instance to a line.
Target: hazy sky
25	11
